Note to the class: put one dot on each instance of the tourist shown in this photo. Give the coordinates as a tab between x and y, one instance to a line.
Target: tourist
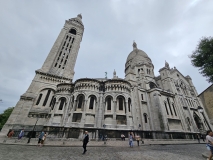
43	139
10	134
203	137
209	143
21	134
131	140
198	138
137	137
85	141
40	138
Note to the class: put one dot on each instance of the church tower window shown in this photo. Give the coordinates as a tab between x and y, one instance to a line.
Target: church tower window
141	96
73	31
39	98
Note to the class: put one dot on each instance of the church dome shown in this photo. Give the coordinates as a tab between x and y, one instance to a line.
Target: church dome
137	54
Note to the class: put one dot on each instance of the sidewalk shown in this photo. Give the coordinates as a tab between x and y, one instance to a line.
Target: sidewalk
109	143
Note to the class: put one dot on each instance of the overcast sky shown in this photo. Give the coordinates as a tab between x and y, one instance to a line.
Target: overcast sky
165	29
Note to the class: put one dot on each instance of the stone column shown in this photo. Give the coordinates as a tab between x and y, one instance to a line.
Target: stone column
127	115
71	112
100	111
114	112
83	118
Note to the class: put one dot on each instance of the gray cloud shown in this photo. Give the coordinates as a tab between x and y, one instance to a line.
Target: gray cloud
165	30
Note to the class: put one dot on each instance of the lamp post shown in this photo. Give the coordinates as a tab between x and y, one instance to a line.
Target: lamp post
104	133
32	130
200	109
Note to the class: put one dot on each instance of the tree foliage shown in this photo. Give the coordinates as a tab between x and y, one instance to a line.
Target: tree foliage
202	57
4	116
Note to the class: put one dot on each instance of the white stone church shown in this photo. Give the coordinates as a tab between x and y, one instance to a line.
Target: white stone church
164	105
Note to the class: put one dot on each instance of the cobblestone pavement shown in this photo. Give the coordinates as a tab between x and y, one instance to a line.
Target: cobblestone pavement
152	152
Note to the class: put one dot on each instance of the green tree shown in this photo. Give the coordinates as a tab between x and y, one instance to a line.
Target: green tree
202	57
4	116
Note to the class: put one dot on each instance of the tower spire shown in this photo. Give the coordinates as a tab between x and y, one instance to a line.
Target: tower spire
134	45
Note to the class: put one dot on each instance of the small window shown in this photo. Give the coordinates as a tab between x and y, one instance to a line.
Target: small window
174	109
141	96
73	40
129	105
59	66
64	43
166	108
145	117
55	64
73	31
120	100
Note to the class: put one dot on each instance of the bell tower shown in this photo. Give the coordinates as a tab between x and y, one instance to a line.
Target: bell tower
57	68
62	57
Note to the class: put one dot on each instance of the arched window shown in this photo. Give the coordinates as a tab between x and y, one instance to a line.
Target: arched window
174	109
152	85
73	31
46	98
80	101
145	117
120	101
166	108
92	99
63	100
39	98
109	103
129	104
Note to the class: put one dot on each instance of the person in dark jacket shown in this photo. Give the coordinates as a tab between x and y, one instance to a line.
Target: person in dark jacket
85	141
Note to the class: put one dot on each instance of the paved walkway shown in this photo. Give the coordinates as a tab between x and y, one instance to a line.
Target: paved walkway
146	152
75	143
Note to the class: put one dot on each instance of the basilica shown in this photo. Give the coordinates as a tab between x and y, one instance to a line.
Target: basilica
165	106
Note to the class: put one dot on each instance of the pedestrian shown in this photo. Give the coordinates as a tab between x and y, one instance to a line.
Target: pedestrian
85	141
11	133
122	137
131	140
203	137
40	138
209	143
21	134
43	139
198	138
137	137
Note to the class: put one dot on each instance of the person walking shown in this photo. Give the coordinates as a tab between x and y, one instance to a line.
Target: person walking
43	139
11	133
131	140
203	137
40	138
209	143
85	141
137	137
21	134
198	138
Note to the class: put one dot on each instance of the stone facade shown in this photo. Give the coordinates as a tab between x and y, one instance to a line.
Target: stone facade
140	101
207	100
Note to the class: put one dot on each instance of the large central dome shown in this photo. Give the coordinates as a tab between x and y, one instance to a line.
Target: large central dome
137	54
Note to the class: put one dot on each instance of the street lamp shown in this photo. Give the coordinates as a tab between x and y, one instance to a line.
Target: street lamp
200	109
104	133
33	130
